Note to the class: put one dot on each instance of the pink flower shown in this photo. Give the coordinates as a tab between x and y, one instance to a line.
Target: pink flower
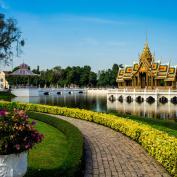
27	146
17	146
20	132
3	113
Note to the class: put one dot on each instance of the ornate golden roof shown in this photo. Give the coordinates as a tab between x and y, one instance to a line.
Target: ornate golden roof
120	75
162	71
147	64
171	76
146	54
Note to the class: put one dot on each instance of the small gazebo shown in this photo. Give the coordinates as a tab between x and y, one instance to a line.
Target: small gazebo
24	71
24	90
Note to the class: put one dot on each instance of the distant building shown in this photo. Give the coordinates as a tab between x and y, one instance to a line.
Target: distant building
147	73
3	82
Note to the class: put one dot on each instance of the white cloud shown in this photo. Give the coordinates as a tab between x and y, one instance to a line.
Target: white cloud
98	20
94	41
87	19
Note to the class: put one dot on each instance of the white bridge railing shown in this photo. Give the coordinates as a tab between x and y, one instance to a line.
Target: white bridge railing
141	91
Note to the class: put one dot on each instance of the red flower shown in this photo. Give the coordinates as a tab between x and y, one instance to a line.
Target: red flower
3	113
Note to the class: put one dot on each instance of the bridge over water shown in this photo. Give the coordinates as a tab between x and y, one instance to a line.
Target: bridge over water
60	91
30	91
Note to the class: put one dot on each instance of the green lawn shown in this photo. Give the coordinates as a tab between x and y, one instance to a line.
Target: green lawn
61	152
48	156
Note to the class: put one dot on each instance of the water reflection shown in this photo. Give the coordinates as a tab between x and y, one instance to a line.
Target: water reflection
99	103
83	101
155	110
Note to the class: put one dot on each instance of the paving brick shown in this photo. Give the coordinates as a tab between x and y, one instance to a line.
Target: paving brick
109	153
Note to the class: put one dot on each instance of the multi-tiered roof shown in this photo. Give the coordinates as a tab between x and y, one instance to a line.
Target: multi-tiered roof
147	64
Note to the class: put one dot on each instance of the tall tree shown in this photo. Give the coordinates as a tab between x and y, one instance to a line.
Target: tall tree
84	80
92	79
10	39
115	69
107	78
57	74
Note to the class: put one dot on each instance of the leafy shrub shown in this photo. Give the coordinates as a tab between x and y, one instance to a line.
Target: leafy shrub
157	143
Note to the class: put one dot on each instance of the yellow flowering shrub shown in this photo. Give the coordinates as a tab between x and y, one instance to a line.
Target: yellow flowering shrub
158	144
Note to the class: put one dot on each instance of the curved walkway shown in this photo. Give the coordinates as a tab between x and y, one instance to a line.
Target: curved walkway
111	154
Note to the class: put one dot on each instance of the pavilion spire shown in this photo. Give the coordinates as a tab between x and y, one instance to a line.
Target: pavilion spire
146	41
146	53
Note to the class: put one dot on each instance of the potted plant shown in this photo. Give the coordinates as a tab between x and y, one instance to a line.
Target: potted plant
17	136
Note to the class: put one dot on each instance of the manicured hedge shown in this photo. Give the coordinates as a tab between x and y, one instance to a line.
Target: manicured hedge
157	143
6	95
72	165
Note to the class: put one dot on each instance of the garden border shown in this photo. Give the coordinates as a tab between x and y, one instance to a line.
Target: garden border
73	163
158	144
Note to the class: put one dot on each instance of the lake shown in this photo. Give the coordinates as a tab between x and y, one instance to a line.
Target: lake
99	103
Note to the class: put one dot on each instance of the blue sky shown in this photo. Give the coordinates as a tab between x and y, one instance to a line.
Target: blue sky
93	32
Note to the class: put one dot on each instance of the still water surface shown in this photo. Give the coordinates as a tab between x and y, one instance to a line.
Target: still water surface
99	103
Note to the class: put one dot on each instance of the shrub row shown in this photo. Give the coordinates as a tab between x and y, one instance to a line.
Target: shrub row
72	165
157	143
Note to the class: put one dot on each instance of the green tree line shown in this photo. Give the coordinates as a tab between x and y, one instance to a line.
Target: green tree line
75	76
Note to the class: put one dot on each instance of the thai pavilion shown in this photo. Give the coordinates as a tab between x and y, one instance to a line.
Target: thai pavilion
147	73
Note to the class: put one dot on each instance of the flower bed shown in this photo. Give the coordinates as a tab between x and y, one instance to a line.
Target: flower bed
157	143
17	133
17	136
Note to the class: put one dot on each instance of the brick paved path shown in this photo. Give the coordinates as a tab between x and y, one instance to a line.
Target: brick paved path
109	153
